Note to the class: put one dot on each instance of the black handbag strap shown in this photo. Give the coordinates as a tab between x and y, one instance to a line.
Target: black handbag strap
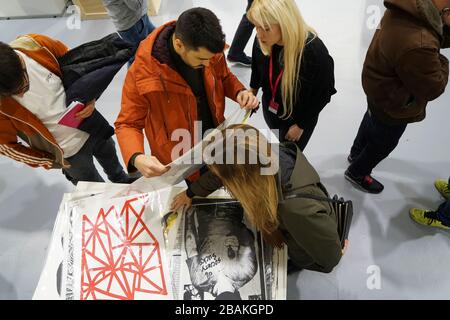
314	197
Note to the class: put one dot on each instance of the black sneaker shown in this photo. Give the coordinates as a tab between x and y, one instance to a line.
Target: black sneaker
365	183
241	59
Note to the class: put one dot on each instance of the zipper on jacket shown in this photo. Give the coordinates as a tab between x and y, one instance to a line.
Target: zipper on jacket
190	124
165	88
168	101
62	154
214	96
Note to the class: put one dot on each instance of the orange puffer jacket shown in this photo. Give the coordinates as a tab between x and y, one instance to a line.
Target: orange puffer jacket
157	99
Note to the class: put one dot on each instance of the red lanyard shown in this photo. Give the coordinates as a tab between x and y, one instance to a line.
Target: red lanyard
277	82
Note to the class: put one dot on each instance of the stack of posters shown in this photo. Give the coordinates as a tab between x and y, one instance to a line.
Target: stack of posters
123	242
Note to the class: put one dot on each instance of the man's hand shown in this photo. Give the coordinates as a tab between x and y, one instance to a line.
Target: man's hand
149	166
294	134
181	200
346	243
247	100
87	111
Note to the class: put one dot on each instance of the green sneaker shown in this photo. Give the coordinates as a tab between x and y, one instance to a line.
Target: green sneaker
427	218
442	186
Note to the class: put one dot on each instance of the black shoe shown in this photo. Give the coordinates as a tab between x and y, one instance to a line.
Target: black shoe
292	267
365	183
241	59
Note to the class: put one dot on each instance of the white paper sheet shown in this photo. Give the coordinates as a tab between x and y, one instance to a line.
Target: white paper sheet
189	162
115	250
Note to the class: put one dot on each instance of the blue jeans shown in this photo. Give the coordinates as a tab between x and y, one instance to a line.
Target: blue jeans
83	167
242	35
443	212
138	32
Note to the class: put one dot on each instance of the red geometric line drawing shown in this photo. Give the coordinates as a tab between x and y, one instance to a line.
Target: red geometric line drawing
120	257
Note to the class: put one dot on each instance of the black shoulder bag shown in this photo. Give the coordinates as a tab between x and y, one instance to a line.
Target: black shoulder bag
342	208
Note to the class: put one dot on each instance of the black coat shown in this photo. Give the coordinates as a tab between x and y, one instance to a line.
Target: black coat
88	70
316	84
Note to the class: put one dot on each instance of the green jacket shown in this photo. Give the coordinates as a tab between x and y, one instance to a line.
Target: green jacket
308	225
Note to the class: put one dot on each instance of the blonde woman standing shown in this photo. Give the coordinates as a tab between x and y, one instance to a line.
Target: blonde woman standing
293	68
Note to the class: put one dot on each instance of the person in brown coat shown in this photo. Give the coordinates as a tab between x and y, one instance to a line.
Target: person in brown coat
403	71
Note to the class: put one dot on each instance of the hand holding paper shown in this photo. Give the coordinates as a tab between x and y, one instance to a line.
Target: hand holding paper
69	118
181	200
247	100
87	111
149	166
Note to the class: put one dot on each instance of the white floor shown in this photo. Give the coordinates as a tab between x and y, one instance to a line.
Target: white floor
410	260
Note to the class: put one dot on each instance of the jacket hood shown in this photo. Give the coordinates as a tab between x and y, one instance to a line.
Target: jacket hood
424	10
147	69
303	174
153	67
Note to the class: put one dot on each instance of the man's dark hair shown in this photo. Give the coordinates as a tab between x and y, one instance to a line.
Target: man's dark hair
11	71
200	27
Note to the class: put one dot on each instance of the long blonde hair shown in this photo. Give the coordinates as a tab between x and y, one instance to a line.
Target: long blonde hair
257	193
294	31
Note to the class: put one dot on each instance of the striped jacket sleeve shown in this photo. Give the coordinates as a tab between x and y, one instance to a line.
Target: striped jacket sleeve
10	147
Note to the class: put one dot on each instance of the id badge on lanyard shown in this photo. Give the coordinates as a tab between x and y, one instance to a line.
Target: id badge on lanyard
273	105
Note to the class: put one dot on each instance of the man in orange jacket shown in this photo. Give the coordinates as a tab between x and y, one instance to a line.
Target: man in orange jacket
179	76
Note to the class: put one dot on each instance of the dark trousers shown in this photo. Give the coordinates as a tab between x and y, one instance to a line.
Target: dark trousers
242	35
83	167
444	212
373	143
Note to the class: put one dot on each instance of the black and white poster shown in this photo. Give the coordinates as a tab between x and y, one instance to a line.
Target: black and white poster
218	255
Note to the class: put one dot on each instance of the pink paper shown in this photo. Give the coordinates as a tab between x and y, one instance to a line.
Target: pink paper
69	119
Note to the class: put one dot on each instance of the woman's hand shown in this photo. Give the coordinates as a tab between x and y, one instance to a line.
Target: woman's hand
346	243
294	134
181	200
